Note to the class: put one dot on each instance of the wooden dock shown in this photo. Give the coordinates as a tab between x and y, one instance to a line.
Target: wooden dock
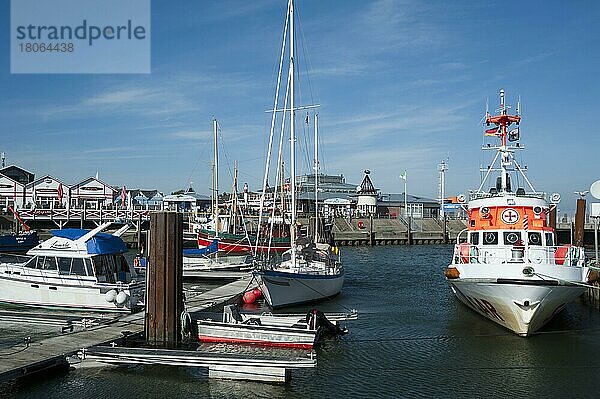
52	352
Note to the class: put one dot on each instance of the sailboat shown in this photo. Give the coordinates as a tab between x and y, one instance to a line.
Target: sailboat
207	257
231	243
506	264
309	271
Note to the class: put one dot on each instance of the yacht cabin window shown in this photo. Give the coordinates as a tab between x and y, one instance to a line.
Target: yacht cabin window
490	238
46	263
71	266
64	265
77	267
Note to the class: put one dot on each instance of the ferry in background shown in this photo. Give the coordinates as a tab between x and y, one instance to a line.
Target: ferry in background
75	269
506	264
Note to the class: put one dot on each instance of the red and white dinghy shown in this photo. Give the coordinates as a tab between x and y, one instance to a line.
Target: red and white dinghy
506	264
284	331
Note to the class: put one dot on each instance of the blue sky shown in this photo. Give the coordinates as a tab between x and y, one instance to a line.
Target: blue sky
402	85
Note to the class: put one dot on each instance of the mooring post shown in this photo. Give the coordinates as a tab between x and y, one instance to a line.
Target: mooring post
579	222
409	232
164	281
371	233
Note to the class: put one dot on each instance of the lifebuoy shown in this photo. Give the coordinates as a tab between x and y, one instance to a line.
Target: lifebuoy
361	225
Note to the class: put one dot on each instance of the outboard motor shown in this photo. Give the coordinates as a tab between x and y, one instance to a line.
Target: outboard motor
231	314
316	320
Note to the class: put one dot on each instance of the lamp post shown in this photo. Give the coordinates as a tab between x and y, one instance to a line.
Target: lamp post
403	177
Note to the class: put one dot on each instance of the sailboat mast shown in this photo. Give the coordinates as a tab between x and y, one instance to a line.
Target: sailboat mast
503	133
233	219
292	138
216	178
316	177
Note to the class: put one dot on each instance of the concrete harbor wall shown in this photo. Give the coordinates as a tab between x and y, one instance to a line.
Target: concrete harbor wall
373	231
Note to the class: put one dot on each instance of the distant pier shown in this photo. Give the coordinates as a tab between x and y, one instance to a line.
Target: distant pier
374	231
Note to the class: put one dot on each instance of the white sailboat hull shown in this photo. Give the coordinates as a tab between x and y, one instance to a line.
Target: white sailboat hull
285	288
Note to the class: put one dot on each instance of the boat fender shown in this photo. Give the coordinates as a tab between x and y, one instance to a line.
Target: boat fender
136	262
122	298
249	297
111	296
257	293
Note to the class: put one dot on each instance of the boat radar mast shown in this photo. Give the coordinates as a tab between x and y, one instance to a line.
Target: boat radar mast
505	151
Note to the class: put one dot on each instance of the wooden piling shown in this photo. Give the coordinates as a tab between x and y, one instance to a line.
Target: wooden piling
164	281
579	222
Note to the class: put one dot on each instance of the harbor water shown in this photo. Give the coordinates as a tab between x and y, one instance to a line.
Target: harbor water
412	339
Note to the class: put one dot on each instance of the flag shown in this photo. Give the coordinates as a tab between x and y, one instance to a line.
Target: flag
59	193
403	176
492	132
123	196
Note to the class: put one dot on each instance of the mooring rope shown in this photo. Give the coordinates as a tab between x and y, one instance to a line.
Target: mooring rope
541	275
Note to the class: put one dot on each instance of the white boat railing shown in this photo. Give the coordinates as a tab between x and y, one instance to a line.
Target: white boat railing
565	255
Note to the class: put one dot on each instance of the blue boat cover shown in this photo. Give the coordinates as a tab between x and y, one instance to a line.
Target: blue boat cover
100	244
211	249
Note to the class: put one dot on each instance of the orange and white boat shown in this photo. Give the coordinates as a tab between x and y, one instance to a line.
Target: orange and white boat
506	264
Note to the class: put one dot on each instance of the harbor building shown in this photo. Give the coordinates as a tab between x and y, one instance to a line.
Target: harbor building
368	196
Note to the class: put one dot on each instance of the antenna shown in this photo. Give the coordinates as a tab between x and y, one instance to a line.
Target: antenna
3	156
519	105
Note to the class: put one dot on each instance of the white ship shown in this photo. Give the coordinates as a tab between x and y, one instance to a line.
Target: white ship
75	269
506	264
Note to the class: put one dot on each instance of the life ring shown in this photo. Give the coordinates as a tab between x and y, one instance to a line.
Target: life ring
361	224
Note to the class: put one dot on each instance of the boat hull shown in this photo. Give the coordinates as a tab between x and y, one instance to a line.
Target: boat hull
249	334
285	289
521	307
18	243
53	293
240	246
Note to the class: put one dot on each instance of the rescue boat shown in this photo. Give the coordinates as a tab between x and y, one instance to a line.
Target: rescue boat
507	265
